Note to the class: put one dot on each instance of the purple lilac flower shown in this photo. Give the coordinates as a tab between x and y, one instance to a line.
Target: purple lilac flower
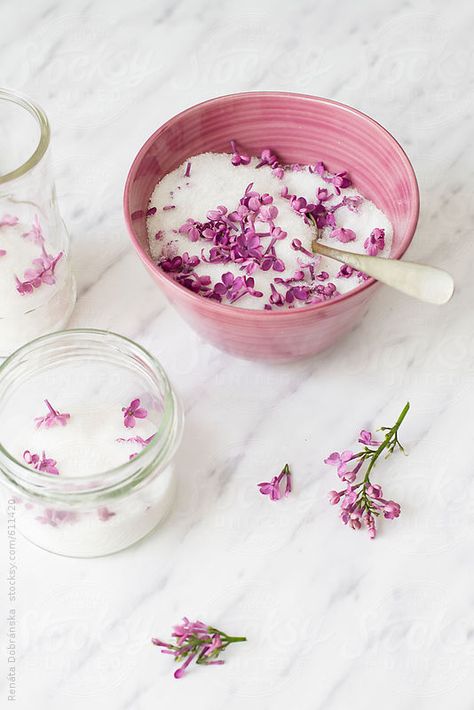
365	437
132	412
273	488
40	463
352	203
345	272
267	158
191	229
376	242
51	419
238	158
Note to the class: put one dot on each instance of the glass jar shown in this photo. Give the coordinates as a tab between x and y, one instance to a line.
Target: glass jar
118	486
37	287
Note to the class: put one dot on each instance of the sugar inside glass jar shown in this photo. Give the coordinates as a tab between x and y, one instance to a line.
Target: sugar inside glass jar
89	429
37	287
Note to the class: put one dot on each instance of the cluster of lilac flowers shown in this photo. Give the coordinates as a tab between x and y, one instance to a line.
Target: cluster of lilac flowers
196	641
131	413
43	463
41	272
42	269
235	239
362	501
247	237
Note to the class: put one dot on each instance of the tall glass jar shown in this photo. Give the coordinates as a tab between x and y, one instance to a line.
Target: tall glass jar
77	460
37	288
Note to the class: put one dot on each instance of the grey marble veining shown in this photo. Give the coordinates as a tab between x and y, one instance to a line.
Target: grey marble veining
333	620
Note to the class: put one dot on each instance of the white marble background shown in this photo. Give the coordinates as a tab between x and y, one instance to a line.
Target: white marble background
333	620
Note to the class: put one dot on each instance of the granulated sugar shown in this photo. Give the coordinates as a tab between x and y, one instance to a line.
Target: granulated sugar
182	220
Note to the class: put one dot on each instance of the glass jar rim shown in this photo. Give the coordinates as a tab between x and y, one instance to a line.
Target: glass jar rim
124	475
45	133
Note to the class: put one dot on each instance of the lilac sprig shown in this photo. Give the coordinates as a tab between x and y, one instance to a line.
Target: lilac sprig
194	640
362	502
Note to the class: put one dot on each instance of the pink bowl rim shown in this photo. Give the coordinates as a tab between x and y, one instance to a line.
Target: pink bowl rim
219	307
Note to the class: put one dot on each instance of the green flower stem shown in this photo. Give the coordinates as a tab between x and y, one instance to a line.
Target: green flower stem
391	439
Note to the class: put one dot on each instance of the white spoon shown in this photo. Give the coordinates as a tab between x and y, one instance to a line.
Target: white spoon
426	283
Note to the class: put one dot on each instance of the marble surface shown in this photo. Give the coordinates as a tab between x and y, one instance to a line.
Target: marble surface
333	620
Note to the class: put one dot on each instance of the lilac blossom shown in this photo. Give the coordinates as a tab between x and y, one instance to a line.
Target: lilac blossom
40	463
345	272
375	242
132	412
267	158
365	437
53	418
238	158
273	488
339	180
352	203
191	229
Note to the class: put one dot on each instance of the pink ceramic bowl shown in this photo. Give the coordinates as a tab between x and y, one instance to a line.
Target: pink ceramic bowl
301	129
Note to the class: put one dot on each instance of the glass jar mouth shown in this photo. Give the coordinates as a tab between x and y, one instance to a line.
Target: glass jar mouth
156	454
44	139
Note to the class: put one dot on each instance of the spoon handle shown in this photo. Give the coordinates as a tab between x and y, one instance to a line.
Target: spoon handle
426	283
